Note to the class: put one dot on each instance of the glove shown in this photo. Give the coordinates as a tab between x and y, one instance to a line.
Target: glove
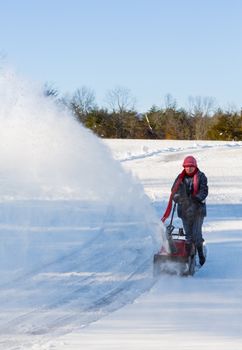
176	198
196	199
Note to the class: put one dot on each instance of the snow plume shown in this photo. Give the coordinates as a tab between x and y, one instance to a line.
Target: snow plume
46	154
77	231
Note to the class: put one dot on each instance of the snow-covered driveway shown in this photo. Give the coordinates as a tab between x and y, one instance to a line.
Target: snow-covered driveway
68	263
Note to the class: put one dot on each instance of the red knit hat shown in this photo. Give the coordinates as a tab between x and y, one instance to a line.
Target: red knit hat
189	161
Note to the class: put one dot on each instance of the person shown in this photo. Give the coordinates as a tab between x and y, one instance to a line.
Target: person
189	191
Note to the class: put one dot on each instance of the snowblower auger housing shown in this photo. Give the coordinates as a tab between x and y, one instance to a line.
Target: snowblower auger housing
180	255
179	259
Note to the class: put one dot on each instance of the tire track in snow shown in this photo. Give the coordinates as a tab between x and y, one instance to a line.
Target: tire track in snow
102	306
99	307
28	275
74	297
75	252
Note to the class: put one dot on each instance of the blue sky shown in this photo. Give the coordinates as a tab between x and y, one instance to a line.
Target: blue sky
152	47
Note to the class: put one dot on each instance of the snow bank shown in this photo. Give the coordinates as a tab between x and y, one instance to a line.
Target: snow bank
141	149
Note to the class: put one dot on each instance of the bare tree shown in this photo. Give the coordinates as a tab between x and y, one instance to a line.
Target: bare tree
83	100
120	100
200	109
231	108
170	102
201	106
50	90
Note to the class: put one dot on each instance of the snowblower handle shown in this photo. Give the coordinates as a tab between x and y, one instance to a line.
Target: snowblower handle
172	214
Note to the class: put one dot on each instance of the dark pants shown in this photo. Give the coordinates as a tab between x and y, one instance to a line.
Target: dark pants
193	229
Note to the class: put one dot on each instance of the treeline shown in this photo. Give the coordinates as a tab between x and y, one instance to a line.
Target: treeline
201	121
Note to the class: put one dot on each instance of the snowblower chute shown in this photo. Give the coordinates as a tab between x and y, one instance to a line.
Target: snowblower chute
179	254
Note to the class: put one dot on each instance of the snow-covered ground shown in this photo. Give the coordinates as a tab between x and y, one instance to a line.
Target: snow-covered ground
80	222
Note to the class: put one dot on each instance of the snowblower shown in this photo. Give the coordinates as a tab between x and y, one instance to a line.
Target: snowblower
179	256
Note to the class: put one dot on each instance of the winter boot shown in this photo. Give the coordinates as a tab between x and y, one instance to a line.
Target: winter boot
202	258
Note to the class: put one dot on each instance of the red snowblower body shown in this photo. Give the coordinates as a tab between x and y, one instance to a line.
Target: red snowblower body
177	255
